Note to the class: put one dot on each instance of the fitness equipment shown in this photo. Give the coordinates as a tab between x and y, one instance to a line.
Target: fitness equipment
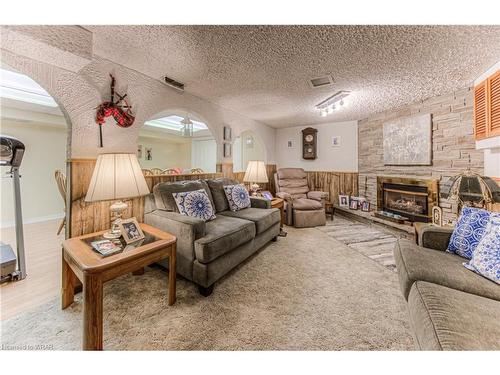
11	154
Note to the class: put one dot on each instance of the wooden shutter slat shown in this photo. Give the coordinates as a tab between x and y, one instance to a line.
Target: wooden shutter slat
494	104
480	117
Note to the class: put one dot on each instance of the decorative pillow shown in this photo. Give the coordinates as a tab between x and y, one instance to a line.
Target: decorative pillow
486	258
237	196
195	203
468	231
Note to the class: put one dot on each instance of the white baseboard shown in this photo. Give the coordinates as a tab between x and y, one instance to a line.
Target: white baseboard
11	223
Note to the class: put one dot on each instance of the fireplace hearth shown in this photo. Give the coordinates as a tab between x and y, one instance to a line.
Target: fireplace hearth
411	198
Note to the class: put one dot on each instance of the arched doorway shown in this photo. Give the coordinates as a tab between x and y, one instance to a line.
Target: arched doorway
177	142
247	146
30	114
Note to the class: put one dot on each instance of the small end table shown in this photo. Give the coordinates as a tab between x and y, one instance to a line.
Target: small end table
280	203
329	209
81	264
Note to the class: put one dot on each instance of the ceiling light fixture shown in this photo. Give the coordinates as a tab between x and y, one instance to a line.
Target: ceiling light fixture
328	105
187	130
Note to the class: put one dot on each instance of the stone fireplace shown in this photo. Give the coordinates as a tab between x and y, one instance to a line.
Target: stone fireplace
410	197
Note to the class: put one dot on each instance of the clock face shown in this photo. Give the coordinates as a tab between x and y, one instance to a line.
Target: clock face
309	138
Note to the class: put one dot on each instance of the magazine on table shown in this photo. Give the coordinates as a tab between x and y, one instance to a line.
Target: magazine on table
107	247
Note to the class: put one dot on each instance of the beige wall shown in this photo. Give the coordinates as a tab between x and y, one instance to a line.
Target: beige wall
45	152
166	153
342	159
243	153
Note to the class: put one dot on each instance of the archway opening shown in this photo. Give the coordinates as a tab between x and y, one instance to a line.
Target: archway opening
247	146
176	143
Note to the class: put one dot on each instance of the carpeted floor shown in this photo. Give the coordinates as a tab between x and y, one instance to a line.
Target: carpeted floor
307	291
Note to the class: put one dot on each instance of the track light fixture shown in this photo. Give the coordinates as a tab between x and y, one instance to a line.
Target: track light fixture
327	106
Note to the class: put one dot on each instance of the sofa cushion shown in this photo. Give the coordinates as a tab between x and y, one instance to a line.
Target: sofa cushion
447	319
222	235
237	197
218	195
263	219
304	204
195	204
164	199
486	258
468	231
419	263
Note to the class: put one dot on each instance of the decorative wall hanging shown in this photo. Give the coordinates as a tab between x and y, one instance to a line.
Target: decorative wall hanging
119	109
227	133
408	141
309	143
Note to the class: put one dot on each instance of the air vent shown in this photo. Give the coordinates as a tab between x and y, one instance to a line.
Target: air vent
321	81
173	83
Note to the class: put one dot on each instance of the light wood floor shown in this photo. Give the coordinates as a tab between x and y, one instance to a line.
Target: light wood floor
43	267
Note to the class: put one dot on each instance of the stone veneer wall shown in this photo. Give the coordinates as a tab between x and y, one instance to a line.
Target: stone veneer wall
452	144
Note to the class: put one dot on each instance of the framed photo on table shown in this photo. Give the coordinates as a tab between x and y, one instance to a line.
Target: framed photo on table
365	206
343	200
267	194
353	204
131	231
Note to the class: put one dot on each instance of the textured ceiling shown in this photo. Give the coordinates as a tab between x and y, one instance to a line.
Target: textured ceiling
263	71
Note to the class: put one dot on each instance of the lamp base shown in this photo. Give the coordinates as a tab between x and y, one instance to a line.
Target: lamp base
116	209
112	235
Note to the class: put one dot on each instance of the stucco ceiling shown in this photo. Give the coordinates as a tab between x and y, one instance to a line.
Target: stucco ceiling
262	71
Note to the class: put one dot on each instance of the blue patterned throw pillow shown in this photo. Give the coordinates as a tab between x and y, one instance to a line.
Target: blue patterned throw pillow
195	203
237	196
468	231
486	258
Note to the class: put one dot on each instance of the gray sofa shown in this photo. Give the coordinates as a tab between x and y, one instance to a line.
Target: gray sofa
206	251
450	307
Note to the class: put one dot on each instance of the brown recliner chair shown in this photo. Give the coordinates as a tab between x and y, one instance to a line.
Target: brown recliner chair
303	208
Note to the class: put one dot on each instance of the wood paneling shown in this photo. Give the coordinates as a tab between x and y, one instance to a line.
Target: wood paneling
270	170
334	183
93	217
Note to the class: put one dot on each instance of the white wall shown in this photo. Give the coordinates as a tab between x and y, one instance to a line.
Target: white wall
243	153
165	152
341	159
45	152
204	154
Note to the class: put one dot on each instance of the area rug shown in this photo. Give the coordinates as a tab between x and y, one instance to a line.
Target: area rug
306	291
366	239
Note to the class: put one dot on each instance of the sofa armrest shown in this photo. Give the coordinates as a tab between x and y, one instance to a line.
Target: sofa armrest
317	195
257	202
187	230
436	238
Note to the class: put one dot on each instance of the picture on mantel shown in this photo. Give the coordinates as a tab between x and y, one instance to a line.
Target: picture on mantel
408	141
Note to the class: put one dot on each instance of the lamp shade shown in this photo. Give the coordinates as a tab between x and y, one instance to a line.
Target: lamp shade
256	172
116	176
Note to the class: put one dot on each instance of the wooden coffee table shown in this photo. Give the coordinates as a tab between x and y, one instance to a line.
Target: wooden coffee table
81	264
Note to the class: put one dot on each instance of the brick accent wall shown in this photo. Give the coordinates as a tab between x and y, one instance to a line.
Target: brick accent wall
452	144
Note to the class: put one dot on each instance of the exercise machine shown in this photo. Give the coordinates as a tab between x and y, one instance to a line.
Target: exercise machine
11	155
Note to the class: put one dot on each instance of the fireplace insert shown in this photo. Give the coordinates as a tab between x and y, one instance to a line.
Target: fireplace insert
410	201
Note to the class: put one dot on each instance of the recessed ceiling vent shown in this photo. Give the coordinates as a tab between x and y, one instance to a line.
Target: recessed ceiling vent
321	81
173	83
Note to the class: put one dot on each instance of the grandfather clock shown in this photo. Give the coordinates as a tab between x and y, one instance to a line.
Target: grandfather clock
309	143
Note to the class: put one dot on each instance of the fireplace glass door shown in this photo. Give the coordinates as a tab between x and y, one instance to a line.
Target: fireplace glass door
406	200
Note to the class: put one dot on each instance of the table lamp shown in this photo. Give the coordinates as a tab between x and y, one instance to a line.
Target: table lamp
255	174
116	176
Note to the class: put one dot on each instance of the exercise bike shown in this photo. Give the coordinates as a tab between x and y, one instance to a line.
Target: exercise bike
13	264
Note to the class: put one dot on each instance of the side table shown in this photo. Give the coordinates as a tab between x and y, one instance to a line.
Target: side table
280	203
81	264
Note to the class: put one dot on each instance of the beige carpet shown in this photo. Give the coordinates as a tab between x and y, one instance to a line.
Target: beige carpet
307	291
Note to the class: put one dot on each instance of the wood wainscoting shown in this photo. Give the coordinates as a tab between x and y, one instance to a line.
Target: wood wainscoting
333	183
93	217
227	170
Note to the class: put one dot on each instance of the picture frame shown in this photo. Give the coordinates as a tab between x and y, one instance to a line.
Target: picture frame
267	194
139	151
343	201
365	206
227	133
149	154
335	141
289	144
227	150
437	216
353	204
131	230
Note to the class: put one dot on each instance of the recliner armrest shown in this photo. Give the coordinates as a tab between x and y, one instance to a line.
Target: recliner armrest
257	202
317	195
285	196
433	237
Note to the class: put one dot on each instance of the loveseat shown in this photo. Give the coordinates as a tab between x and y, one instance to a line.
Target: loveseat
206	251
450	307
